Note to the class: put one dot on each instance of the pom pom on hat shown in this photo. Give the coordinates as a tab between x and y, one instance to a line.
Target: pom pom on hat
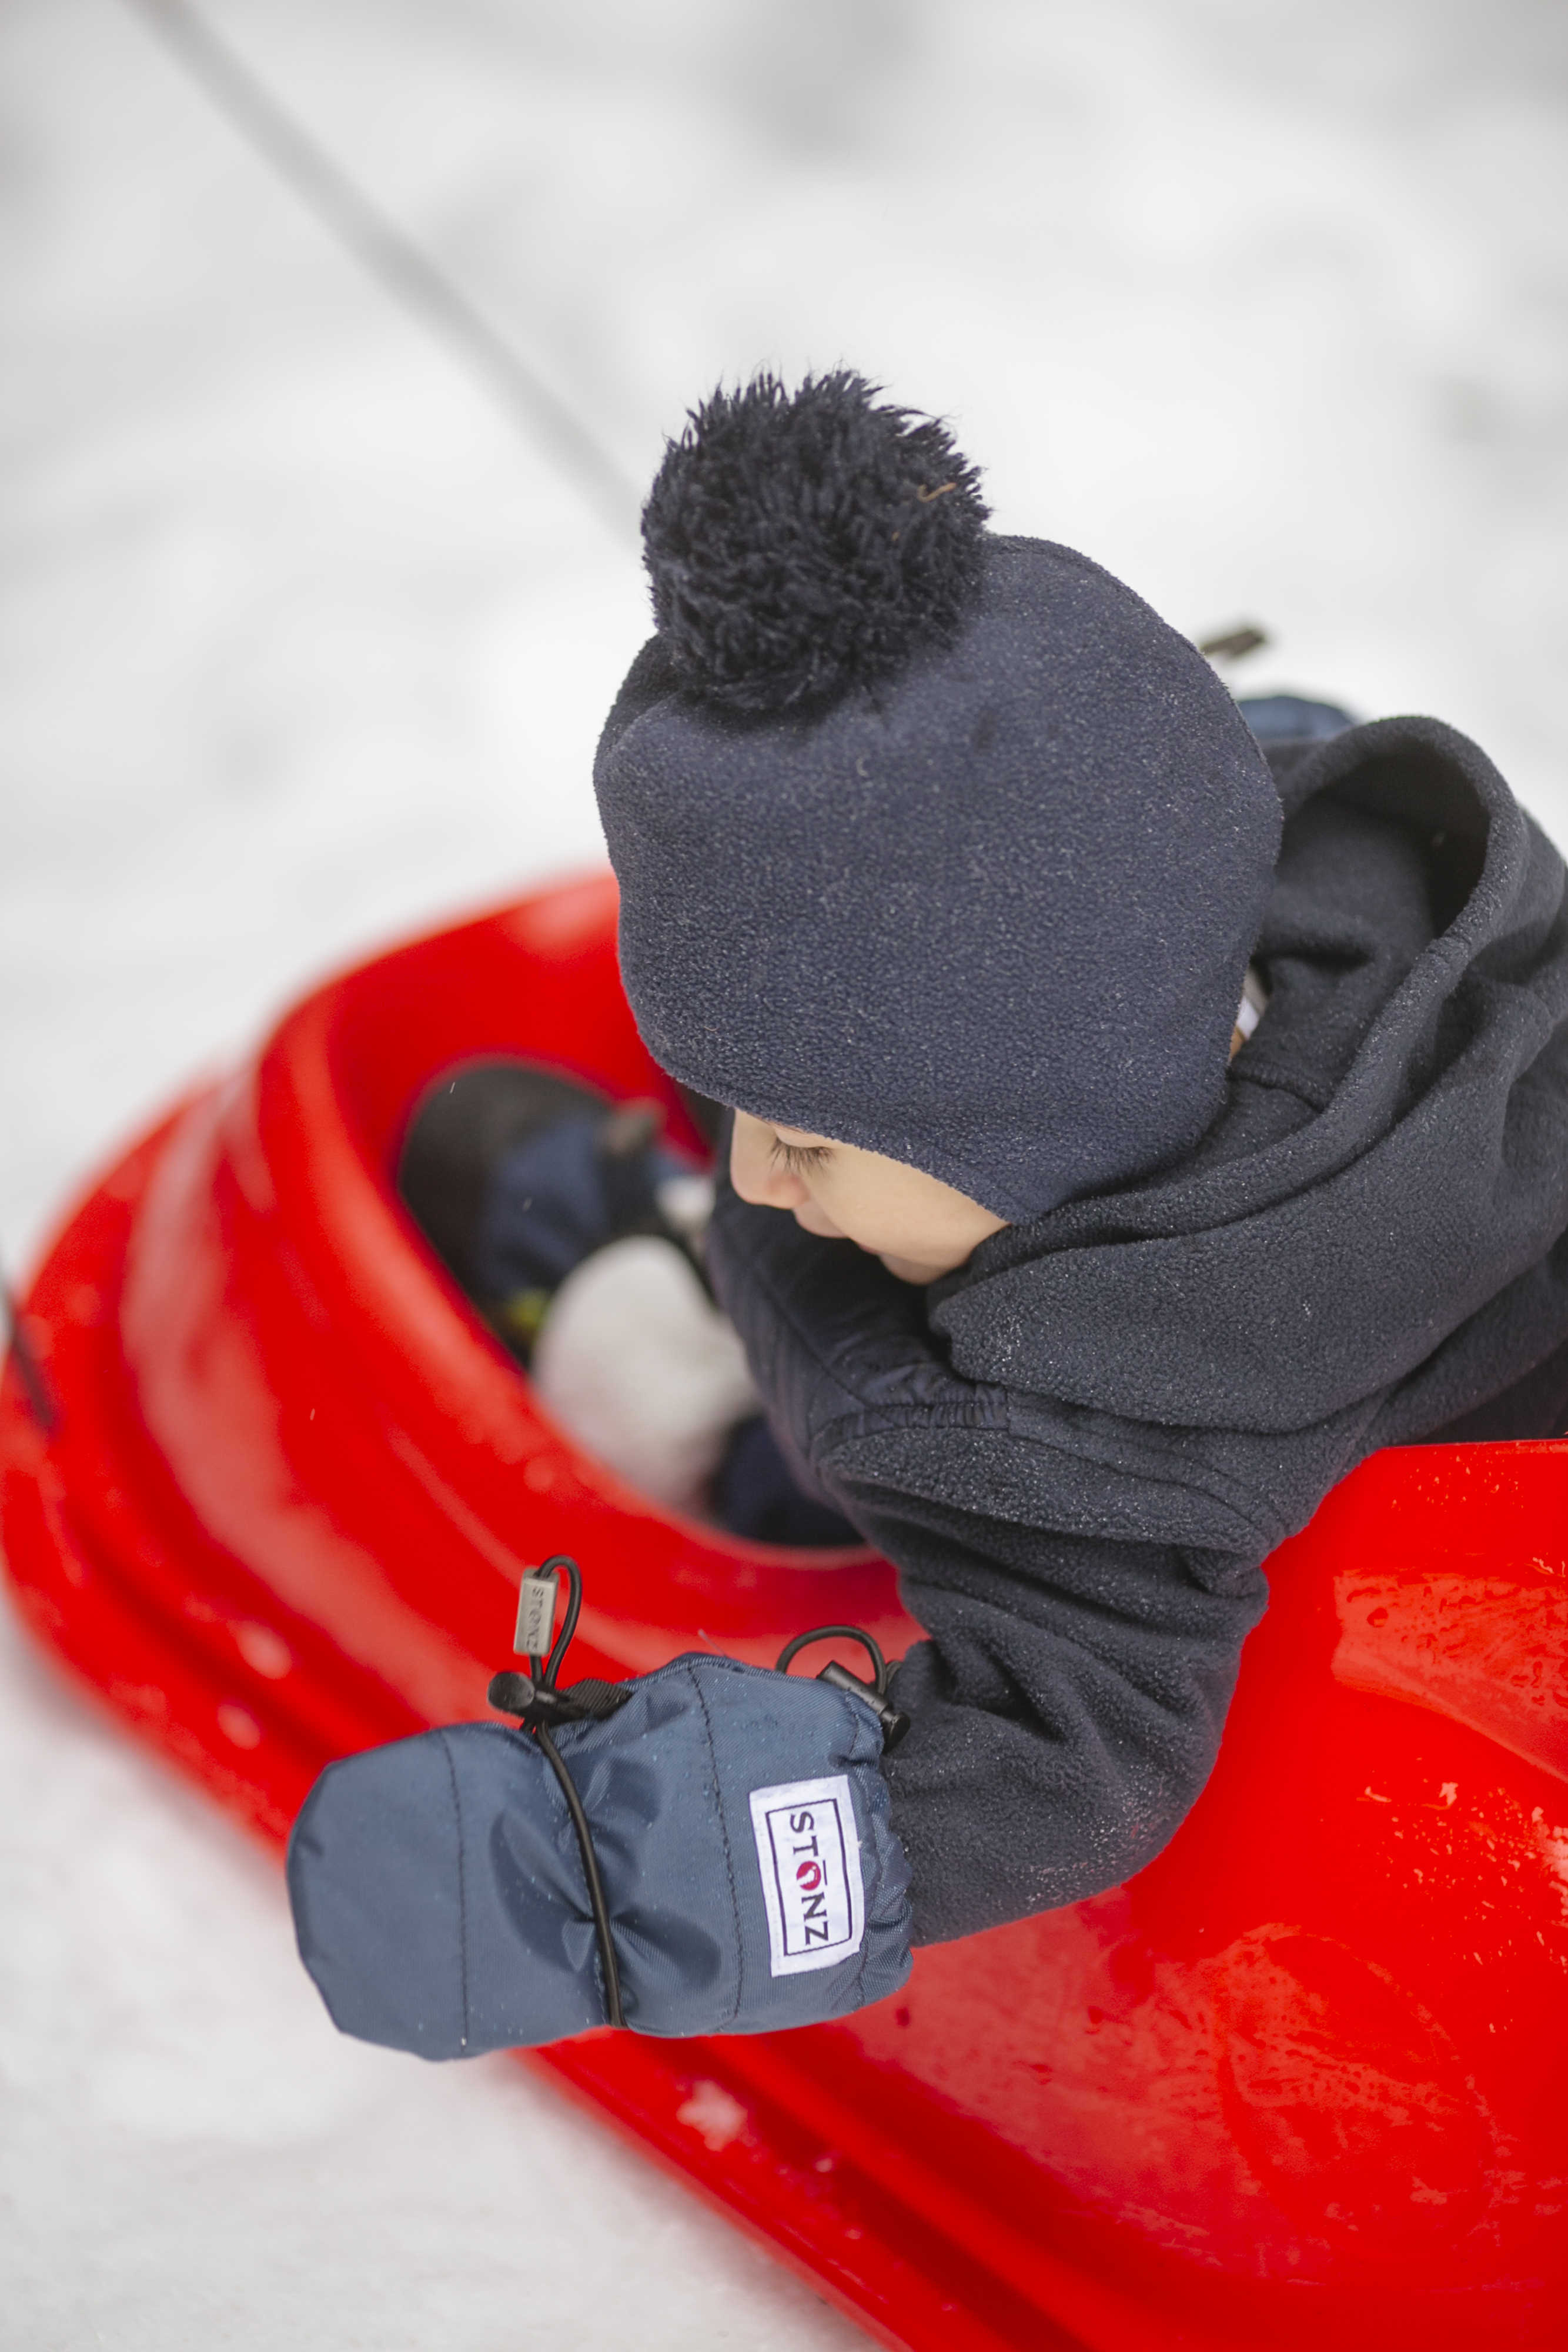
800	545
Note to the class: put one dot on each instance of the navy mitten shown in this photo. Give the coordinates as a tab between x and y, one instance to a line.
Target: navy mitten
740	1824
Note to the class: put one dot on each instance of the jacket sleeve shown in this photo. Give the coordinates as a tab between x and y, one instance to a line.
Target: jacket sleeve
1067	1708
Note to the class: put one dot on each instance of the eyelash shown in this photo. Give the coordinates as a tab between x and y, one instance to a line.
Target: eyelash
797	1158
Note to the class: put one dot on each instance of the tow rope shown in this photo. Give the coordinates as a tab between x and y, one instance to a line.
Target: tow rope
391	257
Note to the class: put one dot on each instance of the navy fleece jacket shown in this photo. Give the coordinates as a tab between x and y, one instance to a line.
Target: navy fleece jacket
1078	1449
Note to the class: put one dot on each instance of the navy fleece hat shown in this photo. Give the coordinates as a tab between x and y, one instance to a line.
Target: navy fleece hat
930	841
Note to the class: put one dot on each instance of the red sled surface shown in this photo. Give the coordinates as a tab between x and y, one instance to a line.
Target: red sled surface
1302	2081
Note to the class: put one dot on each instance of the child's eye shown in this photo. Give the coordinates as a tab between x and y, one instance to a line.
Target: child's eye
797	1158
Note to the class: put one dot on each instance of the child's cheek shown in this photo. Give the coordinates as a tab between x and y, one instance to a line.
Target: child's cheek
812	1218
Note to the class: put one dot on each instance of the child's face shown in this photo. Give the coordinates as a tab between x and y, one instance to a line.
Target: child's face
919	1227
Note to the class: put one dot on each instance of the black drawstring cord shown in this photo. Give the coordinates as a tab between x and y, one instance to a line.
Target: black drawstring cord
894	1721
612	2010
534	1699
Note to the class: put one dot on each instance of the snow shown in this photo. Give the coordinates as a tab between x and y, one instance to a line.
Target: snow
635	1359
302	644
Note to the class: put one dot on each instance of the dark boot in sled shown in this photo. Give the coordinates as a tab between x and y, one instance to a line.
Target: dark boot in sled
516	1174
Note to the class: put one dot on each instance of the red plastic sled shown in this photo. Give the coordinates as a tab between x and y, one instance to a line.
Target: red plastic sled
1301	2081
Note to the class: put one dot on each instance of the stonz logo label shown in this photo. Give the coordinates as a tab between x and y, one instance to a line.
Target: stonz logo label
809	1858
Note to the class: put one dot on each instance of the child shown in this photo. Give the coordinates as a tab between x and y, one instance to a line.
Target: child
945	863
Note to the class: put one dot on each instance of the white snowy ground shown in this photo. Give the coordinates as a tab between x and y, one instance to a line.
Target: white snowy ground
301	645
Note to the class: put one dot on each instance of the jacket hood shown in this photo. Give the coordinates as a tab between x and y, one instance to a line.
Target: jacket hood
1392	1156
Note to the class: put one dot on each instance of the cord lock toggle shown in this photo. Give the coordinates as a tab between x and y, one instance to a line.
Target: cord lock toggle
894	1721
